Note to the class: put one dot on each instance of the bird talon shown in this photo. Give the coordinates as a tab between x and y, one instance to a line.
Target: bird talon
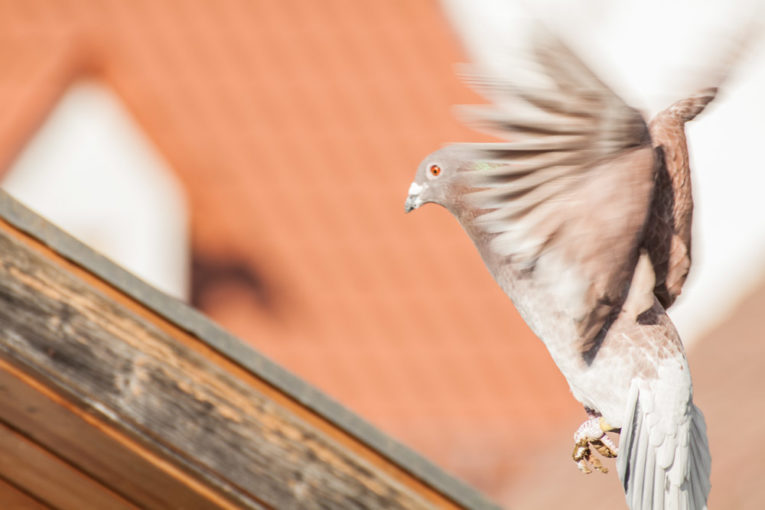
592	433
581	451
598	466
603	449
582	465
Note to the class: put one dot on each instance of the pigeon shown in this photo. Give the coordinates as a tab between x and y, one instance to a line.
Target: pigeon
582	214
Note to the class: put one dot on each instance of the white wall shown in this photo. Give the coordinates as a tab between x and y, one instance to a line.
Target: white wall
654	52
91	170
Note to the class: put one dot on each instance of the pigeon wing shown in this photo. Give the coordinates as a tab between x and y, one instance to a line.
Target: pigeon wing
568	196
668	232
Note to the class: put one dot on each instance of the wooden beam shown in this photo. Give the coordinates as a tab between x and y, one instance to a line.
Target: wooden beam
162	409
99	451
13	497
55	482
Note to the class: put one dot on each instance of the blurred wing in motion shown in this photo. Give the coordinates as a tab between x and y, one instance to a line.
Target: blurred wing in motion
568	196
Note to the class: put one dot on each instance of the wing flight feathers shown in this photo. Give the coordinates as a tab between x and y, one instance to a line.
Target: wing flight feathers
572	186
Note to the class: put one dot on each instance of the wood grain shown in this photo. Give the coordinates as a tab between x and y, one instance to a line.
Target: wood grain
165	425
59	484
13	497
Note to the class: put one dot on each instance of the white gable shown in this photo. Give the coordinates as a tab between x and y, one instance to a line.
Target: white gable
91	170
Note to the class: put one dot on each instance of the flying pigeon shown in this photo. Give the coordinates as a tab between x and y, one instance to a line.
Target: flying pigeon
583	217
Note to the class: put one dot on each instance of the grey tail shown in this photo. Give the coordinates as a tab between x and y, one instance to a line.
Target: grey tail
663	471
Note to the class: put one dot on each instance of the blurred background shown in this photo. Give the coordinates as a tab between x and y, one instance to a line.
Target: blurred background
252	158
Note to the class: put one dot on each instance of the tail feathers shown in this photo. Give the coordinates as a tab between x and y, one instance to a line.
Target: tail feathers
661	470
701	460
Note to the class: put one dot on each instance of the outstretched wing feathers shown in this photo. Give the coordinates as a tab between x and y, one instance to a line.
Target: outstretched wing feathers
573	185
491	119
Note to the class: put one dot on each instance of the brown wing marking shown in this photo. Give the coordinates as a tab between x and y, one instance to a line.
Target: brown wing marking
668	231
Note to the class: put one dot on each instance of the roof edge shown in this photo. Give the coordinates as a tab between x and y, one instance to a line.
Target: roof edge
190	320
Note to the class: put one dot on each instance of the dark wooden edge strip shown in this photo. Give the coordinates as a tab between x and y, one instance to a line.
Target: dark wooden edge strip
20	498
195	323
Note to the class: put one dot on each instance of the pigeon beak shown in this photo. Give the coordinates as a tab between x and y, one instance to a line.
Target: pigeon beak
413	200
412	203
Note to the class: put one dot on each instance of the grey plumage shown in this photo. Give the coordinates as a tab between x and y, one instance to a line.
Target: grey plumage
583	218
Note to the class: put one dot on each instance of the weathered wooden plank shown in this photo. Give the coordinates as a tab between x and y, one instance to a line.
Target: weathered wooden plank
52	480
197	332
13	497
105	454
112	364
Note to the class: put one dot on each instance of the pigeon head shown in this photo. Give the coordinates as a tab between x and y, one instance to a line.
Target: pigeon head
436	178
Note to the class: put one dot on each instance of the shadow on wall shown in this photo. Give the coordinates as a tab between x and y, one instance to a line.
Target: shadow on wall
213	276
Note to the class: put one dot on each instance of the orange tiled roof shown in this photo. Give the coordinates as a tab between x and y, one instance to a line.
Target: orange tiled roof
295	127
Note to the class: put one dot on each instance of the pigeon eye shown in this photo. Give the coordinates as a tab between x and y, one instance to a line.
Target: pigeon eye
435	170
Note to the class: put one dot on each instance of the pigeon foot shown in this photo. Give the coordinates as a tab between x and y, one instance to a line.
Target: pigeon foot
592	433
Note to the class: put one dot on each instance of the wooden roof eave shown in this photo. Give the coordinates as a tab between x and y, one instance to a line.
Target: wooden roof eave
156	403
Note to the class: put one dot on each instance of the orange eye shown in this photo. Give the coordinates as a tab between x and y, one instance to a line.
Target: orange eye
435	170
